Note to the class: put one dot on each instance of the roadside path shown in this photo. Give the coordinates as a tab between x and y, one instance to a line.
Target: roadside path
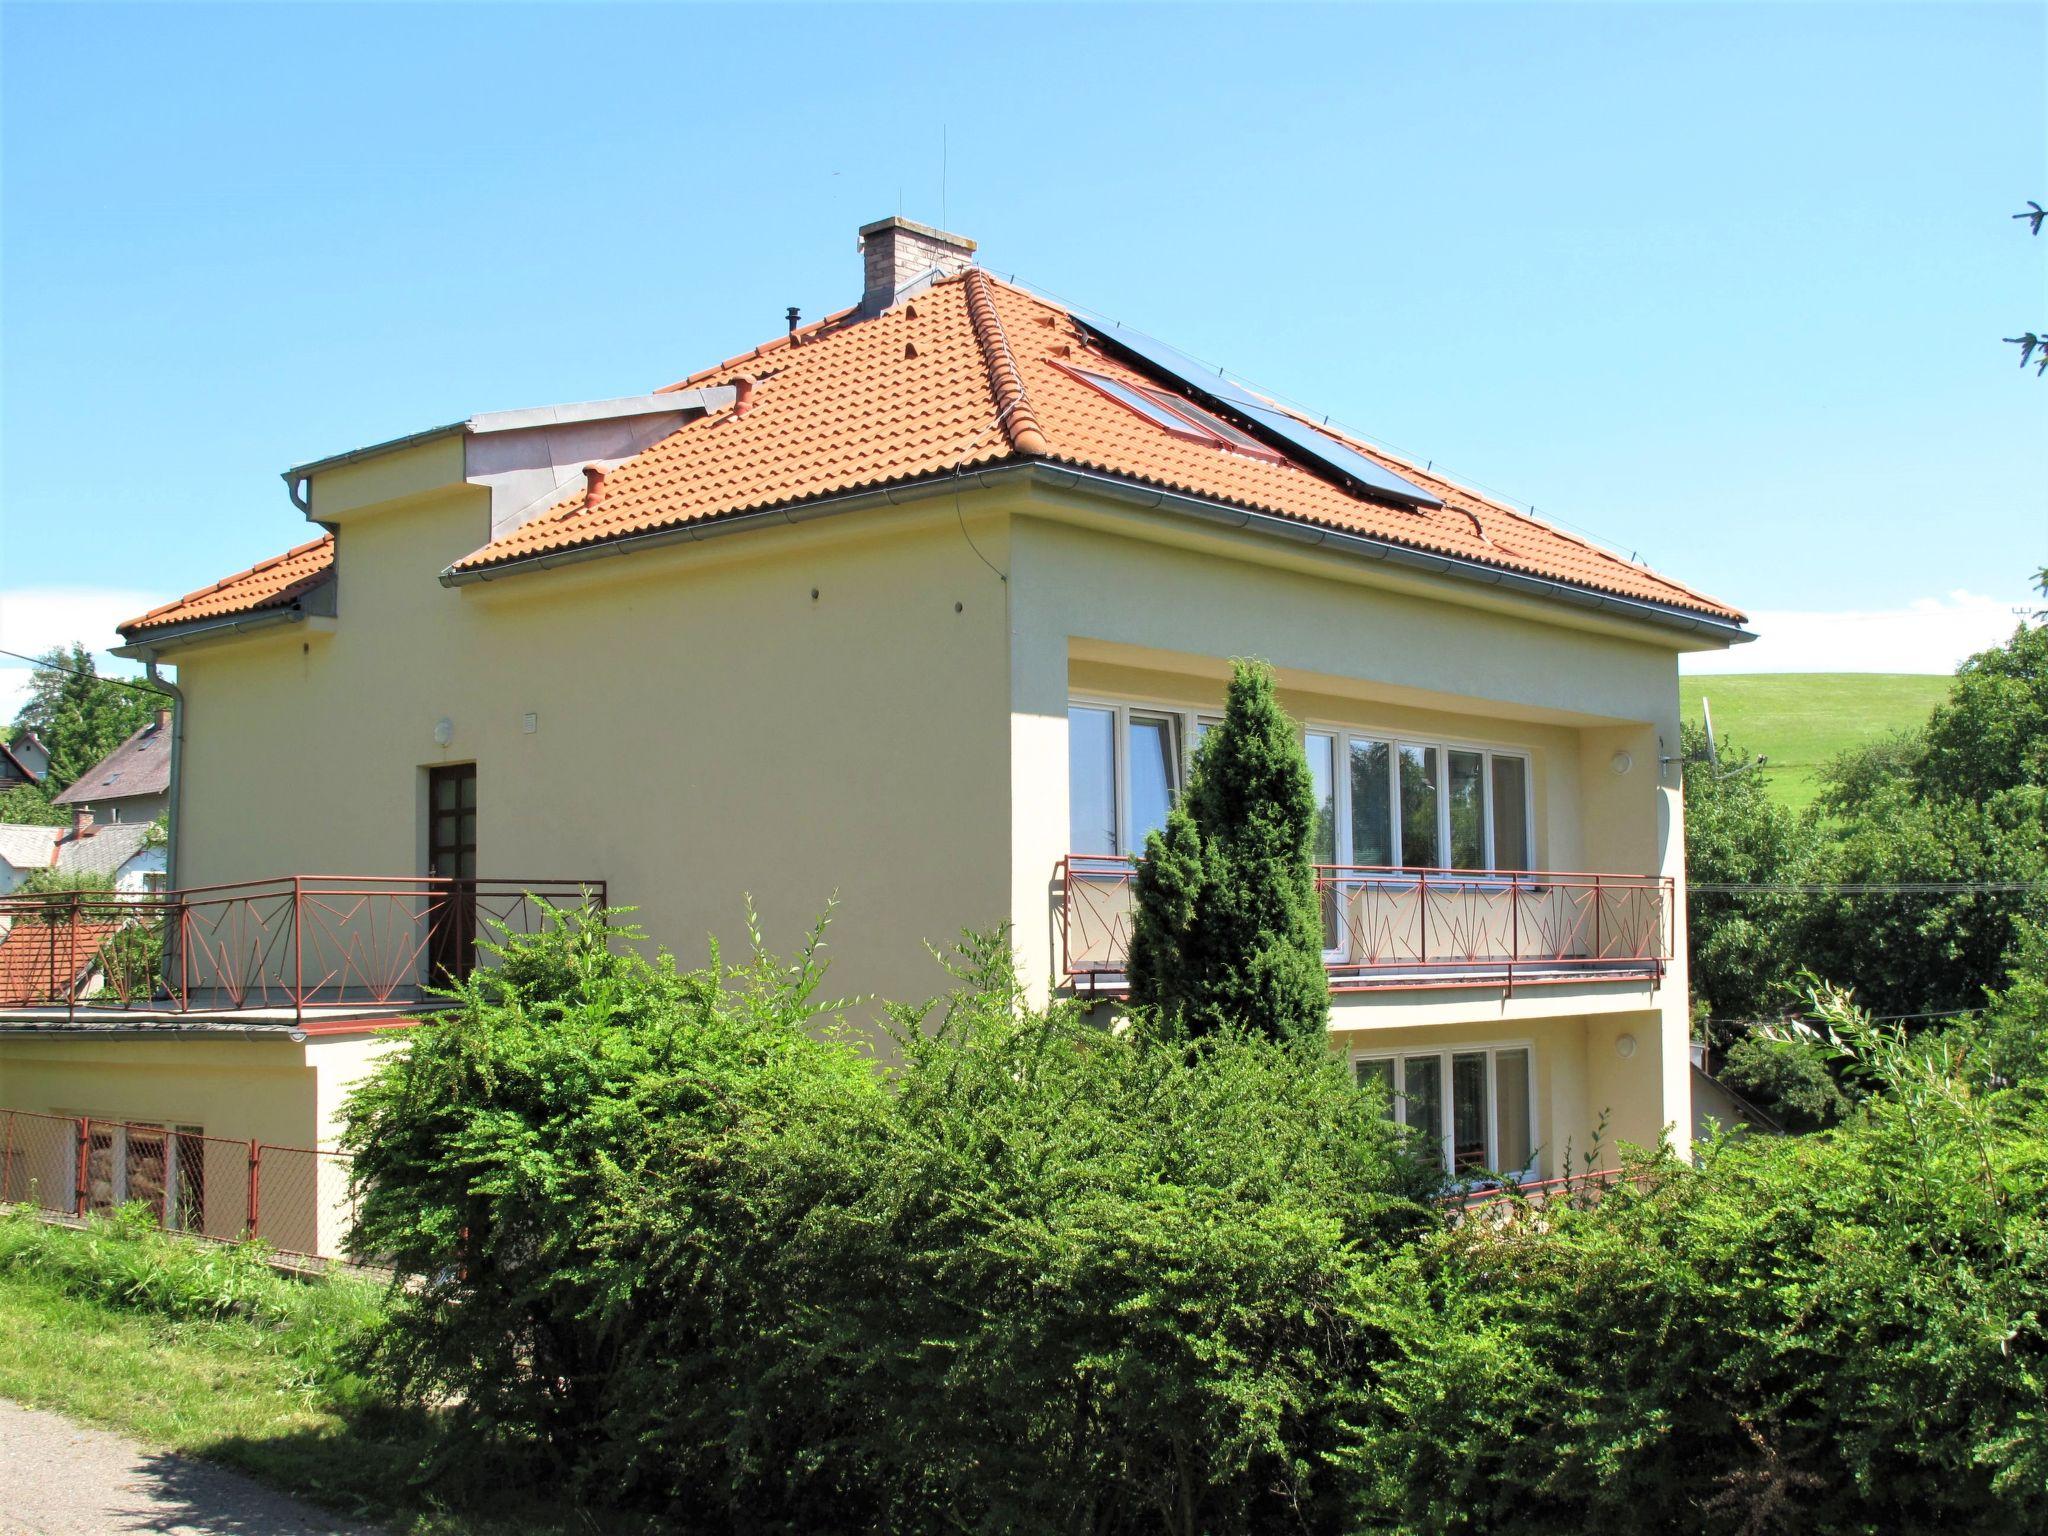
58	1478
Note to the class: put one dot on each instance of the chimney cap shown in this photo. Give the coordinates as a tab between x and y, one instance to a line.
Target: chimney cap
911	226
899	256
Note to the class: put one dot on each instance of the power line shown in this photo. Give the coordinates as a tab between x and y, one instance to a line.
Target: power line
44	662
1876	1018
1869	887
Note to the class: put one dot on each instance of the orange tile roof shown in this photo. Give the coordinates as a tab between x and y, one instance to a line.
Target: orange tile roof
972	371
272	583
967	373
40	962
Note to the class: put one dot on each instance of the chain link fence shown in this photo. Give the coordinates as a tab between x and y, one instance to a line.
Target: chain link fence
294	1199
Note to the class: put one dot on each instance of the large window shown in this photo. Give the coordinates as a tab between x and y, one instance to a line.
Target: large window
1472	1108
1380	801
1125	767
1421	805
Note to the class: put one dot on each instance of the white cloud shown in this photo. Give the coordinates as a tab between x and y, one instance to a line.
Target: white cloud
1929	634
33	619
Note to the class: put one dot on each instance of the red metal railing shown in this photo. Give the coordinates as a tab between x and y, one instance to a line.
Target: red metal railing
294	943
1415	928
295	1199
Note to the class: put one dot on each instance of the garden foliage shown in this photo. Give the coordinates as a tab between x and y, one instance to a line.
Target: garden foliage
669	1237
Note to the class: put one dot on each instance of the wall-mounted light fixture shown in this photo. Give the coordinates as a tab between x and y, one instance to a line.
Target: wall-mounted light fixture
1625	1046
444	731
1621	762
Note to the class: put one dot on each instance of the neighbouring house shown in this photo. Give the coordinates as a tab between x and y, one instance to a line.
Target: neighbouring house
923	607
131	783
131	855
24	760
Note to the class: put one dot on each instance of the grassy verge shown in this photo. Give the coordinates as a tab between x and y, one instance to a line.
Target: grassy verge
205	1351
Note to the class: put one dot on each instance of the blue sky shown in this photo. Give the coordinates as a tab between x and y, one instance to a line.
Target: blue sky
1722	285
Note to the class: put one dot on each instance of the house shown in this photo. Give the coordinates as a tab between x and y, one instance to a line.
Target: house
132	783
923	607
23	760
128	854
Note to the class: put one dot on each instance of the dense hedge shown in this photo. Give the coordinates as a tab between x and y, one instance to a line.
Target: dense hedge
666	1236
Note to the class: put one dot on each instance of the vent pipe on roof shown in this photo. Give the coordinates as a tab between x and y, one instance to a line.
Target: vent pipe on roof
896	254
794	315
742	394
593	486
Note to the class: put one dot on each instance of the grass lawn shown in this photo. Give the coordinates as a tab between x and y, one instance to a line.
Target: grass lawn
251	1392
1800	719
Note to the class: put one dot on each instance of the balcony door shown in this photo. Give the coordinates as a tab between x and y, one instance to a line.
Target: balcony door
451	858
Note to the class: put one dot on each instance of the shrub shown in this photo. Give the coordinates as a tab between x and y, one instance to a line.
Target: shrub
1227	934
1833	1333
715	1263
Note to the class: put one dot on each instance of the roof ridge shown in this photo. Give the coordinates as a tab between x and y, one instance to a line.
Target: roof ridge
1006	380
226	581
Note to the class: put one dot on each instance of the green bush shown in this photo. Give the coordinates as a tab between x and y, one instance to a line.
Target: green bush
714	1263
1834	1333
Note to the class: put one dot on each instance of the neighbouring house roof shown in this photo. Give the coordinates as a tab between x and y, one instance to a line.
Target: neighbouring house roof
274	583
141	765
104	849
40	962
972	372
28	847
13	770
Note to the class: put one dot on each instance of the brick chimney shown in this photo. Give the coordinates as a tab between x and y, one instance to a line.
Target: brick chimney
81	822
895	253
163	717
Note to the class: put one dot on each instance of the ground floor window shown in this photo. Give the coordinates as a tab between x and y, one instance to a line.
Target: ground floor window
162	1167
1475	1105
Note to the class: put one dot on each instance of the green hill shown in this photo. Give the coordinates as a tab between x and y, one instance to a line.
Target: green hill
1800	719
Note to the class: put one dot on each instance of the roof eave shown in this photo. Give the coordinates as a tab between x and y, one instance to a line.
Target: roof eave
1060	476
146	644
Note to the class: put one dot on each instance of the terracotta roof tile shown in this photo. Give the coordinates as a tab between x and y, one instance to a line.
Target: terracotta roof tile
273	583
841	407
971	371
41	961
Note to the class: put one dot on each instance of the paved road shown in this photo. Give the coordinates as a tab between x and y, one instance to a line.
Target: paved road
58	1478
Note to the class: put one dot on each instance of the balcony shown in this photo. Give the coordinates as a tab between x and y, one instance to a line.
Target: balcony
298	949
1414	929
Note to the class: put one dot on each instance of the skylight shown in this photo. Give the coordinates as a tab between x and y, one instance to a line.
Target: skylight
1170	413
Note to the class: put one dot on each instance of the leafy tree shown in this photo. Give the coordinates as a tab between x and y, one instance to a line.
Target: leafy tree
1738	943
1227	934
26	805
1964	805
79	715
1786	1071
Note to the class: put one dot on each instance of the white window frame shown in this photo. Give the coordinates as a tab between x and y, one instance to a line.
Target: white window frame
1394	742
1491	1048
1189	722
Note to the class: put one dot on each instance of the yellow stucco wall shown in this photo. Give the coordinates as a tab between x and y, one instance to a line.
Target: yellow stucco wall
875	705
705	729
284	1094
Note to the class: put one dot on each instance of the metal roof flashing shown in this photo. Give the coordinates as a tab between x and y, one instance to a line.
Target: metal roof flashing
485	423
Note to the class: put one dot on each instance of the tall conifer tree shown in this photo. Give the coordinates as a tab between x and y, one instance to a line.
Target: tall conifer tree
1227	931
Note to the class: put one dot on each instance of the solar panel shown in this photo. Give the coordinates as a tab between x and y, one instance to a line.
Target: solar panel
1302	441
